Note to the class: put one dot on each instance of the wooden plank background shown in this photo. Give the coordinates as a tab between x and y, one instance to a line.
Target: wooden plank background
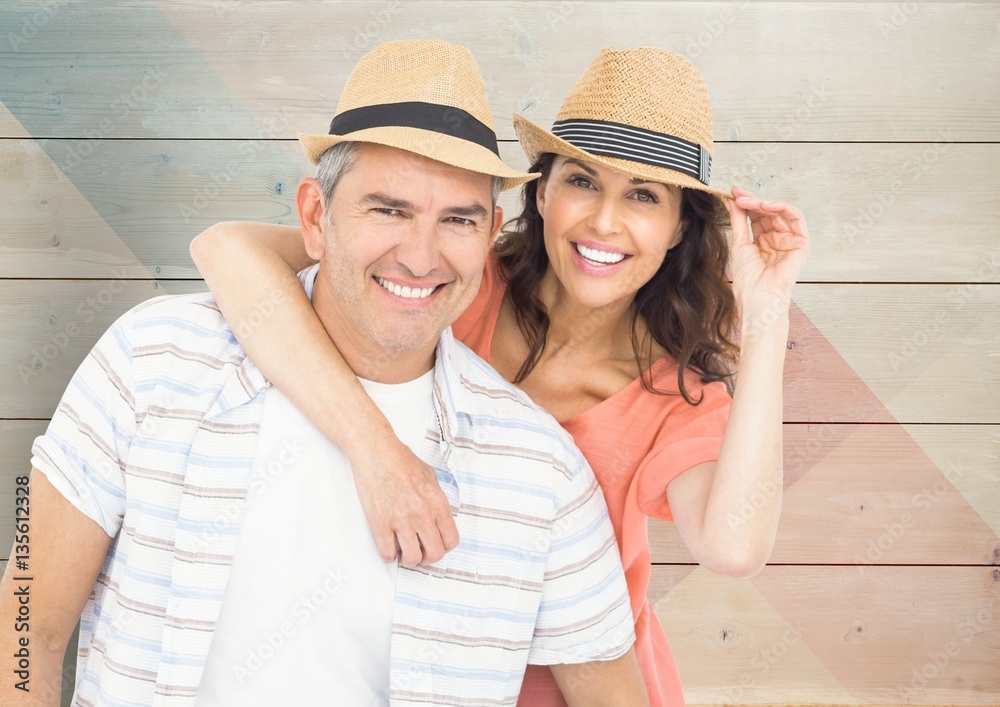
127	127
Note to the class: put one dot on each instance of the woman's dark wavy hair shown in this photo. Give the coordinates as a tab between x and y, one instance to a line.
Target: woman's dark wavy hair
687	306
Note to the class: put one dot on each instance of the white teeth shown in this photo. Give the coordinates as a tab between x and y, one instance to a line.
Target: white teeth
599	256
407	292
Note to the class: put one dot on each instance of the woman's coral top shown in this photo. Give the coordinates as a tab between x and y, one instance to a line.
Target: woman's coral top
636	443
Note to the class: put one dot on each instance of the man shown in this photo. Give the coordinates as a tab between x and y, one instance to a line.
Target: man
212	538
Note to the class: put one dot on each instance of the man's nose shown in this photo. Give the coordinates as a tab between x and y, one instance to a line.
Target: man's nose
418	251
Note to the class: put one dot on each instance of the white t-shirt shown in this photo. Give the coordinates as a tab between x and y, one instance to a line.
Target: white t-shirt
307	614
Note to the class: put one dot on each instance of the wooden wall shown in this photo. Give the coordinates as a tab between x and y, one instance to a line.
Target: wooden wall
127	127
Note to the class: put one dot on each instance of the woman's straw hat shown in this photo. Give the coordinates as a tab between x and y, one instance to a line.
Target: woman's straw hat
424	96
643	112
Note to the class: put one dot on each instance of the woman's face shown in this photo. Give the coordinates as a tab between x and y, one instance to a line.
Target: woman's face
606	234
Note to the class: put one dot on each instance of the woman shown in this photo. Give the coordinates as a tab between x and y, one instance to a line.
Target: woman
606	301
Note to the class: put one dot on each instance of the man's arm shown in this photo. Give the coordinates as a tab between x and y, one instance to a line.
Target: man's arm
602	683
66	550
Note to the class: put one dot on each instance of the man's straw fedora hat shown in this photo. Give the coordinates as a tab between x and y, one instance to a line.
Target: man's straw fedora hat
424	96
643	112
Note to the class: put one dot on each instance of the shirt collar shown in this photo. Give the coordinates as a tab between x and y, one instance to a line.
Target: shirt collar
449	392
246	381
242	386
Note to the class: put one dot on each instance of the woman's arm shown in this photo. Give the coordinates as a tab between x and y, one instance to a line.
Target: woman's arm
251	270
727	511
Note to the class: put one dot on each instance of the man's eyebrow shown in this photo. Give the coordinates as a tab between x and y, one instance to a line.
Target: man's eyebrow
471	211
382	200
385	201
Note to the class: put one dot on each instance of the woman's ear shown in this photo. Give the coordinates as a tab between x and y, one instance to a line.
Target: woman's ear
539	186
312	217
678	235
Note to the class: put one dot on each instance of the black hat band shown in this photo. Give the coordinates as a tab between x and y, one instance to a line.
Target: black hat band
446	120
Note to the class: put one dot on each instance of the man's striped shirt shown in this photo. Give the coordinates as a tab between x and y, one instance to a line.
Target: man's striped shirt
154	440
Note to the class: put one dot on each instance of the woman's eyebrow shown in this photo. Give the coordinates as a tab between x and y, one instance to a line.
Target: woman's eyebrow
589	170
640	180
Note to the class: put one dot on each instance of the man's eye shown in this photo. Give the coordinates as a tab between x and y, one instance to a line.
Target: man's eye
387	211
462	221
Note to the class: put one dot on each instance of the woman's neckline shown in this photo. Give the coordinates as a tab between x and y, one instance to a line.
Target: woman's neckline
494	316
621	392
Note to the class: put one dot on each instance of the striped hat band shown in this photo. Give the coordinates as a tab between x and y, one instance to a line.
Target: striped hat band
629	142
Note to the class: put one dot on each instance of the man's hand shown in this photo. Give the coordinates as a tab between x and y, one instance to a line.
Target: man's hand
405	506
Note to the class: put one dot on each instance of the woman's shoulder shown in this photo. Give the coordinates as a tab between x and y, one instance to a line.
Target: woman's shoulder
474	327
664	379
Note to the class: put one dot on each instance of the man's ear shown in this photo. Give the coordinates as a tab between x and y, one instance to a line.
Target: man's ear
312	217
497	222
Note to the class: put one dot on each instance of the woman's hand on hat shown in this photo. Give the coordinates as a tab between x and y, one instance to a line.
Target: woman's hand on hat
766	267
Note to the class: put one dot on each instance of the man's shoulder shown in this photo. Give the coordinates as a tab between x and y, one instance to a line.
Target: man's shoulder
180	306
171	315
489	388
495	402
177	329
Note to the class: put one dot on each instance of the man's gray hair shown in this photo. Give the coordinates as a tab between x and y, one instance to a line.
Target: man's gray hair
334	164
495	183
341	159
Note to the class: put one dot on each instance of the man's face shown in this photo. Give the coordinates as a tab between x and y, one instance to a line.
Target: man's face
400	257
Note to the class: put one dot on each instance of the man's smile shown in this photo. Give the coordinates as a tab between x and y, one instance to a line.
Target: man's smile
406	291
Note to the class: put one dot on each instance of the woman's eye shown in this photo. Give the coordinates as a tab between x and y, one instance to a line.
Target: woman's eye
646	196
581	182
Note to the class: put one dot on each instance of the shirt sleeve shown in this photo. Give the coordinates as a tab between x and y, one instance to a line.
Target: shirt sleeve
84	448
691	435
585	613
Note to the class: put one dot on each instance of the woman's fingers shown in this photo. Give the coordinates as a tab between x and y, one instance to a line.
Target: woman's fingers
770	216
738	217
754	209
